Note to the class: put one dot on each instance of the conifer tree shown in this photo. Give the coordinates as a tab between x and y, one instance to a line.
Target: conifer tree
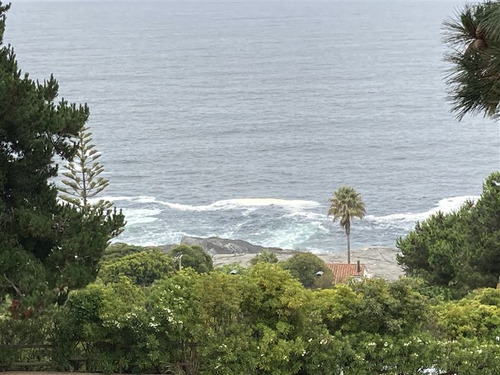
83	176
45	247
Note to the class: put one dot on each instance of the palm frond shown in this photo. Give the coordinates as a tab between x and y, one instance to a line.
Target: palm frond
345	204
472	80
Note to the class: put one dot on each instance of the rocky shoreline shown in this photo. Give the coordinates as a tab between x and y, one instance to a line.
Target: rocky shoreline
379	261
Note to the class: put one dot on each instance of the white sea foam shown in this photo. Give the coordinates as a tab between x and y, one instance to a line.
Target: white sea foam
298	224
291	237
445	205
227	204
307	215
120	198
140	216
151	238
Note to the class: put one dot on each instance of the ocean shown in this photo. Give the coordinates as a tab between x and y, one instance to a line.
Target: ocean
239	120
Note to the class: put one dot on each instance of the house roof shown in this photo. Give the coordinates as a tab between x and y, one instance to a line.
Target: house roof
343	271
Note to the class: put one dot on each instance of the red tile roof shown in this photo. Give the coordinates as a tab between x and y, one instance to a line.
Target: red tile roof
343	271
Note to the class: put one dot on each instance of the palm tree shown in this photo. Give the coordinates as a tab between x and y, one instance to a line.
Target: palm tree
474	78
345	204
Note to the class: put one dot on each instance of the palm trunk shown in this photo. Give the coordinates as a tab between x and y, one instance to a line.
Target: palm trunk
348	234
348	249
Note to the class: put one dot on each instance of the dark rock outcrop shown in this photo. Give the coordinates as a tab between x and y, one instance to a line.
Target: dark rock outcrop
216	245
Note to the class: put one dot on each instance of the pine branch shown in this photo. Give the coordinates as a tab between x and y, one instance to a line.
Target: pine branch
83	181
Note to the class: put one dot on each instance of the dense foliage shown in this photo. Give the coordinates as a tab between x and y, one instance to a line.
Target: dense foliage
266	256
459	250
263	321
46	248
310	270
193	257
141	268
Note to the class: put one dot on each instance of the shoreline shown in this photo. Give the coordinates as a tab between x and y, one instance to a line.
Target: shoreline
379	261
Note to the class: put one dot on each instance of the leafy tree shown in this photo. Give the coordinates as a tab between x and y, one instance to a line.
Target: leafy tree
176	316
345	204
82	238
266	256
112	323
141	268
226	343
390	308
274	306
372	306
468	318
231	268
192	256
429	251
118	250
483	250
310	270
265	321
44	246
474	37
458	250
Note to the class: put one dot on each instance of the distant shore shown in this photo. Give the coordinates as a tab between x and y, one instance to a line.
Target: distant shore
379	261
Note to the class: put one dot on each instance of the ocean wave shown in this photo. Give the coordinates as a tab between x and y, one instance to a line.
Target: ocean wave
151	238
307	215
120	198
297	224
226	204
137	216
445	206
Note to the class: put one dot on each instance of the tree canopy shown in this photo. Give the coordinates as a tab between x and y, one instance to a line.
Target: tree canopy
141	268
45	246
192	256
345	204
266	256
310	270
264	321
459	250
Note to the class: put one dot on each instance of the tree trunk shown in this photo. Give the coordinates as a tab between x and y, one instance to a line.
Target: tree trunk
348	249
348	234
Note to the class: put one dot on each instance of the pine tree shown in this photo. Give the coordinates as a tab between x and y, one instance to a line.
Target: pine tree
44	246
98	223
83	172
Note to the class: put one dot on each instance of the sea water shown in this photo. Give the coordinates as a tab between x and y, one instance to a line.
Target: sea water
239	120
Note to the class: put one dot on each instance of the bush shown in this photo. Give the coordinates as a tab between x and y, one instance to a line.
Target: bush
265	256
192	257
141	268
305	267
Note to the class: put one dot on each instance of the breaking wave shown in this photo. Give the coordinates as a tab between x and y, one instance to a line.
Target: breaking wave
407	220
227	204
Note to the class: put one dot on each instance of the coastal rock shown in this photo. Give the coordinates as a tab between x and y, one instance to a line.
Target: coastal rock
216	245
380	261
